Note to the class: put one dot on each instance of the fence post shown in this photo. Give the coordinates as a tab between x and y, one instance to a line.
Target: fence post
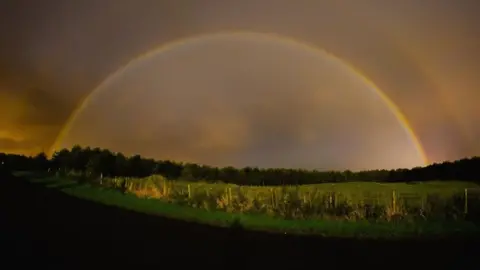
466	201
394	201
189	191
330	199
272	194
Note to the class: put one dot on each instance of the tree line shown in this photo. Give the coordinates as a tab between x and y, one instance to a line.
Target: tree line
95	162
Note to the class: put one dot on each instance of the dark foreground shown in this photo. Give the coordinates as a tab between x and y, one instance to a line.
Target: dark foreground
44	227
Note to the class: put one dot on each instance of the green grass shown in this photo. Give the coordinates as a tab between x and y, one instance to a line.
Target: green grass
360	229
437	187
353	191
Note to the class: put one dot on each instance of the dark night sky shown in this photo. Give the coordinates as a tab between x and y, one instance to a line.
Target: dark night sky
244	99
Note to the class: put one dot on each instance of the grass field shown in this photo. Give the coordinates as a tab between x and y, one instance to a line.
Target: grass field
346	201
341	210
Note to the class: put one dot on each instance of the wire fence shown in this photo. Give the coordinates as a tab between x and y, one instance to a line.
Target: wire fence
309	202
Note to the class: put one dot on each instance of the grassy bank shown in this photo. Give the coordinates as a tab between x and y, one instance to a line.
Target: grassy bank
186	206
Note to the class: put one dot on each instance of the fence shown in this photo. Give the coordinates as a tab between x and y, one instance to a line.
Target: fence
308	202
471	197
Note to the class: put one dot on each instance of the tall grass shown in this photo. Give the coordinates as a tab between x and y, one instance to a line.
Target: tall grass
387	202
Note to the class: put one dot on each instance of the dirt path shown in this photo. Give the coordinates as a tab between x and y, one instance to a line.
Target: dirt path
45	227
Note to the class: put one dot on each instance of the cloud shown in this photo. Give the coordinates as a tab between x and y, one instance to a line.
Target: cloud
239	100
8	144
54	52
11	144
28	123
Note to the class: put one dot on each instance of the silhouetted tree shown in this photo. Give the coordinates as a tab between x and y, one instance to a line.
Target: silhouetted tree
95	162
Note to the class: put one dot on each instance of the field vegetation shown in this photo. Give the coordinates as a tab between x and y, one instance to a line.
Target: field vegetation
433	201
327	203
